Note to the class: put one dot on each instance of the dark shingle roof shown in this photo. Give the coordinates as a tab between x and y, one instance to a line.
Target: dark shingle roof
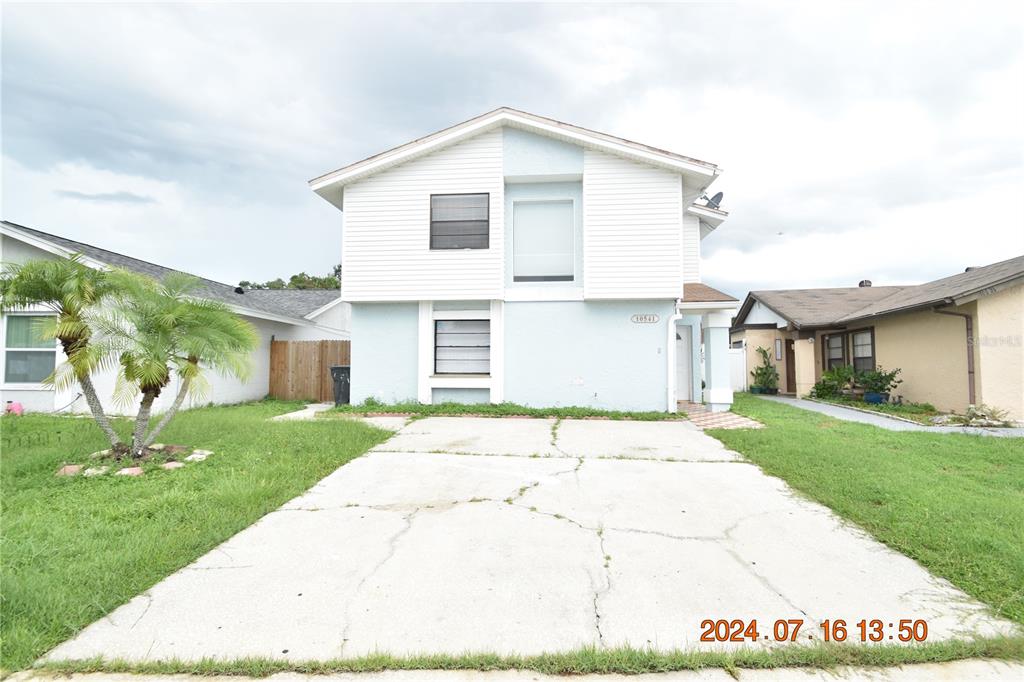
819	307
942	291
284	302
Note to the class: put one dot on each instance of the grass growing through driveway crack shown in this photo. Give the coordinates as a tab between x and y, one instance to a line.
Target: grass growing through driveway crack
589	660
76	548
492	410
954	503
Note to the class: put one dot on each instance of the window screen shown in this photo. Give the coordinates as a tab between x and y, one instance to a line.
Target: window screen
863	351
462	347
542	241
28	359
459	221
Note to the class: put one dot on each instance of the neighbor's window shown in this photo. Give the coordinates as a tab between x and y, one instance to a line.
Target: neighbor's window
462	347
542	241
459	221
28	359
835	351
863	351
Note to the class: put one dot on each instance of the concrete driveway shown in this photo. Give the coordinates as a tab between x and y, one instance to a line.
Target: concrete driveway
525	536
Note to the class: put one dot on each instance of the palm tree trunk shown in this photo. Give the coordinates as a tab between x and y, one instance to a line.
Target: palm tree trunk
141	422
93	400
175	406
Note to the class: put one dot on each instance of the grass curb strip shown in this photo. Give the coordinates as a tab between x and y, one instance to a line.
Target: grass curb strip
590	660
491	410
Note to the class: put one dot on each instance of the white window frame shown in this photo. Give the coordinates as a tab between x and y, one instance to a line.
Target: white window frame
3	351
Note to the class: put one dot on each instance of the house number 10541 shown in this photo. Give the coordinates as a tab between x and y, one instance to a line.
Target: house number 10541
644	318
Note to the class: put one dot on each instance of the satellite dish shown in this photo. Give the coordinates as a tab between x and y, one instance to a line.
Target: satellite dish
716	200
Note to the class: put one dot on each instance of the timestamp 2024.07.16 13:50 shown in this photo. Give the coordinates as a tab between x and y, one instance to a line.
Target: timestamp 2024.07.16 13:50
838	630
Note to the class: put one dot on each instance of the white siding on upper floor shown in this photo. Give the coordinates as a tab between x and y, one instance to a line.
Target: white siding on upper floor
386	253
632	222
691	248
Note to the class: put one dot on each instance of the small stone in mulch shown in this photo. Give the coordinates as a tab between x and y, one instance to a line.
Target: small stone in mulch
69	470
100	454
157	446
130	471
95	471
171	465
198	456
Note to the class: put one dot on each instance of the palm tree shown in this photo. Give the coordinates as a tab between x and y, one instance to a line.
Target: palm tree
160	329
71	289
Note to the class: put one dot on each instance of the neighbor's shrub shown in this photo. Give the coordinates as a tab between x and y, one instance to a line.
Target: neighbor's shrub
834	382
765	375
878	380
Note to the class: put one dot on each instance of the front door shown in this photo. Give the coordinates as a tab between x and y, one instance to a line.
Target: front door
684	362
790	367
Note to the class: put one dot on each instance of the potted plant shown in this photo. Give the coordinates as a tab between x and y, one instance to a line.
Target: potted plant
878	384
766	377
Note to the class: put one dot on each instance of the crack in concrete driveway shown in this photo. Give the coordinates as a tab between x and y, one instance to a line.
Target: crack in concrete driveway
408	550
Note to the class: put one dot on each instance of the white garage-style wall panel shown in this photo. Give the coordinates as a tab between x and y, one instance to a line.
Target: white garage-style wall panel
632	229
387	255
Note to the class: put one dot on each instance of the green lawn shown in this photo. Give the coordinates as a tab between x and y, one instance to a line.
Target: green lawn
955	503
492	410
73	549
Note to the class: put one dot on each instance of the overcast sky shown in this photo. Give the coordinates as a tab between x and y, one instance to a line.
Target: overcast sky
881	141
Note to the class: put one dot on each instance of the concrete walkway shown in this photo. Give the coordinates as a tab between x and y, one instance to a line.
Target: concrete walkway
882	421
525	536
958	671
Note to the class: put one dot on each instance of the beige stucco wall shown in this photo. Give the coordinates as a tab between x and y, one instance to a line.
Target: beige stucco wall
999	341
764	338
931	349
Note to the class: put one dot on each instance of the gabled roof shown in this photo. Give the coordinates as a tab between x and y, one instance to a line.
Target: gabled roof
841	307
814	307
329	185
946	291
293	305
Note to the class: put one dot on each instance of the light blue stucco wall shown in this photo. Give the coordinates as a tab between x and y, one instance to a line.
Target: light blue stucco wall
545	191
586	353
467	396
527	154
384	351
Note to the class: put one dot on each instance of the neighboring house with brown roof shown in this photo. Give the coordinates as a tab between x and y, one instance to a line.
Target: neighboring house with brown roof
957	340
282	315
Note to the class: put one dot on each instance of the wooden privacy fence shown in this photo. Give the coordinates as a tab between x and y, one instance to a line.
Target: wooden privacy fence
301	370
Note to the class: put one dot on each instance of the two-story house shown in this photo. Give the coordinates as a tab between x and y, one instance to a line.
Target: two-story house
517	258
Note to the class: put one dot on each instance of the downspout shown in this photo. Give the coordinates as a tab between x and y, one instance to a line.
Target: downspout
670	353
970	350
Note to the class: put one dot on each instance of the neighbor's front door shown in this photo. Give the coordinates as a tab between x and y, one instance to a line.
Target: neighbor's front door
790	367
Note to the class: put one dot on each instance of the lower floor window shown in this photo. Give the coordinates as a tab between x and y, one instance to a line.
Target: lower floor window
835	351
27	358
863	351
462	347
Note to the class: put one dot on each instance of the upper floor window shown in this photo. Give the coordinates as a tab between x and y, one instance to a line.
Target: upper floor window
460	221
27	358
542	241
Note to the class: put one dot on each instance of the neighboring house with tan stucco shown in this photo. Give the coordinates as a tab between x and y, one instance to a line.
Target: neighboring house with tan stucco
957	340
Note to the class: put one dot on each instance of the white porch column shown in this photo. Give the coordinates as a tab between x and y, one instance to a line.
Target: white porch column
718	388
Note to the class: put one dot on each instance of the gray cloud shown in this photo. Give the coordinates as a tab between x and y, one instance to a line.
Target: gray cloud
829	120
106	197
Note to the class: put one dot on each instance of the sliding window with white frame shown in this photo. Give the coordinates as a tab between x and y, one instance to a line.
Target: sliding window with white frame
27	358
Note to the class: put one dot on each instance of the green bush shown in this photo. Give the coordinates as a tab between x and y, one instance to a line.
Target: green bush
878	380
765	375
834	381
